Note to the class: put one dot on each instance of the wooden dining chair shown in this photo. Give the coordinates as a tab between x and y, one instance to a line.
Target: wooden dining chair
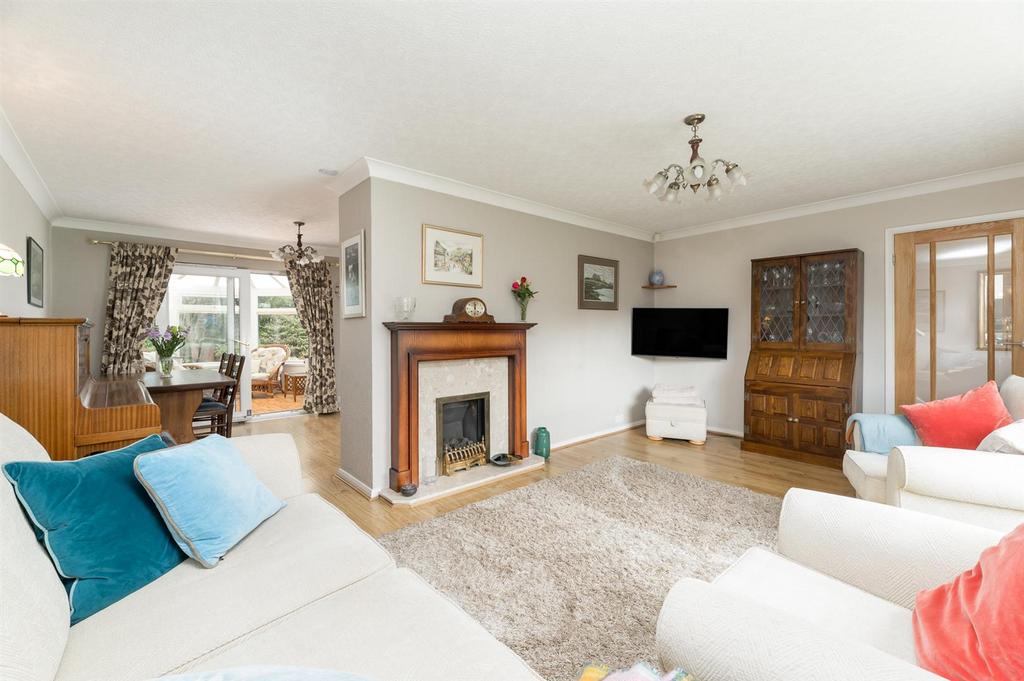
215	415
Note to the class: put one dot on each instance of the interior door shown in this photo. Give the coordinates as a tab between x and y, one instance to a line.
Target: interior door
776	287
959	308
214	303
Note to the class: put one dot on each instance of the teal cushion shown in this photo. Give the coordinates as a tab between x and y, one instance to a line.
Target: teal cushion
103	533
207	495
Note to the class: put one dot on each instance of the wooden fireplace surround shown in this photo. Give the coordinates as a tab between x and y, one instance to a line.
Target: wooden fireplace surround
415	342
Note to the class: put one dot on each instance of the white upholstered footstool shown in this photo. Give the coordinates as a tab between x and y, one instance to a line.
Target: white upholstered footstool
677	421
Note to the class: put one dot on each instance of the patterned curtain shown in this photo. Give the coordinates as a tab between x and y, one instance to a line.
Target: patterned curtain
138	279
314	300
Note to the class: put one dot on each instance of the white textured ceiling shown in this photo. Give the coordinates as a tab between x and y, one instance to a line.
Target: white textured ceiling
215	116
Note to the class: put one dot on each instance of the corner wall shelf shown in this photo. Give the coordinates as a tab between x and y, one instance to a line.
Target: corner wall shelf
659	286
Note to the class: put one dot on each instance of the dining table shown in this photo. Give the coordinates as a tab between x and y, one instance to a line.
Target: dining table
180	394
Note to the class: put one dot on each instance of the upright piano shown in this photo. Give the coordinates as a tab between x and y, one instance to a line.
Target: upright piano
46	386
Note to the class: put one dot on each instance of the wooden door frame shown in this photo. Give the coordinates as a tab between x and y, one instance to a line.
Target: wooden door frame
904	286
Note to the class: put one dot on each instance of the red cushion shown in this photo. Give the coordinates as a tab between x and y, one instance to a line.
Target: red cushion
972	628
959	422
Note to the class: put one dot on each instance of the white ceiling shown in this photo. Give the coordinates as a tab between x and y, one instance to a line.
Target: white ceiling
216	116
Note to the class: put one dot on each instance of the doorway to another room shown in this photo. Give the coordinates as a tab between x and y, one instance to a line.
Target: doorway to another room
250	313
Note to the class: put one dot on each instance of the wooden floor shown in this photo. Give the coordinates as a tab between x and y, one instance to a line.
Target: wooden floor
318	439
263	403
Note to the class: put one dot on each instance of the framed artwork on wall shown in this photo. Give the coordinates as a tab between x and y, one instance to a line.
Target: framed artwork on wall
598	283
353	300
452	257
34	271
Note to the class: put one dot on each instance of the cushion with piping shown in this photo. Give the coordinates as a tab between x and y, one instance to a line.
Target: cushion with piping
1006	440
959	422
971	629
1012	392
207	495
102	532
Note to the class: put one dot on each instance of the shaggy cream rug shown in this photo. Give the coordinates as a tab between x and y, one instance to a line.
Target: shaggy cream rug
574	569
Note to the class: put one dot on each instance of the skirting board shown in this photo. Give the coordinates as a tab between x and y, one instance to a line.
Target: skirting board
718	430
601	433
356	484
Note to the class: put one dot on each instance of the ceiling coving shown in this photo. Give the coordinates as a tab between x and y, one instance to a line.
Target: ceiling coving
697	174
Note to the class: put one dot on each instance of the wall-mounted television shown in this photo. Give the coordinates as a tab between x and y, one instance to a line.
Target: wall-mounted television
681	331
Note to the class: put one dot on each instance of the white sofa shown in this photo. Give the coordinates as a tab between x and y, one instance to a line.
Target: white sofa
832	602
306	588
978	487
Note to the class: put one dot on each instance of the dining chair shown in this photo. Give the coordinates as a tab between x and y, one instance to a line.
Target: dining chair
214	414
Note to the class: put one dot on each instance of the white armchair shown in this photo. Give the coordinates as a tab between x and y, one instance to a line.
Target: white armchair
833	602
983	488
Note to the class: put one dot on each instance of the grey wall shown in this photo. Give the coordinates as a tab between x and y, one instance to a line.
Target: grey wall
713	270
354	358
581	378
80	273
21	218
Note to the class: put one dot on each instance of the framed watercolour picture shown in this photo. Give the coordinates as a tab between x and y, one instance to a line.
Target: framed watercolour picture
353	297
598	283
452	257
34	272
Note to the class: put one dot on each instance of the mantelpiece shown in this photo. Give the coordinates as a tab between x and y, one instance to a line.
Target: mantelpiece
415	342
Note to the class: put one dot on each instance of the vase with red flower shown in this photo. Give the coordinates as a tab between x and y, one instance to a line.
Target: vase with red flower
522	289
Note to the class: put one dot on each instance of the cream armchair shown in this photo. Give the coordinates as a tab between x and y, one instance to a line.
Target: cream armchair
833	601
983	488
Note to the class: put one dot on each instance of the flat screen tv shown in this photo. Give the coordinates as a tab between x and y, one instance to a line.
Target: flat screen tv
681	331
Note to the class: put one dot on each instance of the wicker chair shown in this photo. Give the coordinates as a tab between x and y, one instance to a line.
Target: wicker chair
266	362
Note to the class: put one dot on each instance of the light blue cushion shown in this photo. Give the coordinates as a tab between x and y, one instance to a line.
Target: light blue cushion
102	532
207	495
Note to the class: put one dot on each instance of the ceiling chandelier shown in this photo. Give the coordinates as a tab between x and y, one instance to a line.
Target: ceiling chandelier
303	255
697	174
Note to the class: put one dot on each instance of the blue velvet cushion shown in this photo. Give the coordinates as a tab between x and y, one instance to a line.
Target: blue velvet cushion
207	495
102	532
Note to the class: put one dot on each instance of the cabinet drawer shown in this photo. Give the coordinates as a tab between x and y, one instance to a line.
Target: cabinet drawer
827	411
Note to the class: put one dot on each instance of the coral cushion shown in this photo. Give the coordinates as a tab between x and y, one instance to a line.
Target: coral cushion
971	629
959	422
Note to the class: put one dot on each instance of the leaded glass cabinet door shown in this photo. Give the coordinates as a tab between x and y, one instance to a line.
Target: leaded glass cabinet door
776	287
828	303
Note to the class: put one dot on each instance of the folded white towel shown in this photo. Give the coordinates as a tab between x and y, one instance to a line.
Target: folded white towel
669	390
679	401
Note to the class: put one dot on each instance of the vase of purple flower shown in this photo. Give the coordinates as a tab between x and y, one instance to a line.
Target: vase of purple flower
166	343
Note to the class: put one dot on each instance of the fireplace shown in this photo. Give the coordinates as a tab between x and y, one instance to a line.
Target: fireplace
463	431
416	343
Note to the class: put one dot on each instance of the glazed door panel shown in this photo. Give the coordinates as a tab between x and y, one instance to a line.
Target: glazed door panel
828	301
775	291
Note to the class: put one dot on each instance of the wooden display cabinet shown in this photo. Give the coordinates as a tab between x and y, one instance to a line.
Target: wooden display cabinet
803	375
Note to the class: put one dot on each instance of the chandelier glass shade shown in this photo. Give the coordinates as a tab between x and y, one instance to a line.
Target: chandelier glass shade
11	264
303	255
668	184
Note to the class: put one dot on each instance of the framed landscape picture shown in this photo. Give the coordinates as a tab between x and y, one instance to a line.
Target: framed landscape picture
353	299
34	272
452	257
598	283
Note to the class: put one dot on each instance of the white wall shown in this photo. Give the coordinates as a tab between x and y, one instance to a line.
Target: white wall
21	218
581	378
713	270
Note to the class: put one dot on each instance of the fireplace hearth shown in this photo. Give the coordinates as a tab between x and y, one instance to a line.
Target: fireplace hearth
463	432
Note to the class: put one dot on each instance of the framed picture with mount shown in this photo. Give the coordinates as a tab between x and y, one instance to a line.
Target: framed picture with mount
452	257
354	297
34	272
598	280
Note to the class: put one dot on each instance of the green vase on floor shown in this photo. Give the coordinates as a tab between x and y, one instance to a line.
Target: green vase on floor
542	443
